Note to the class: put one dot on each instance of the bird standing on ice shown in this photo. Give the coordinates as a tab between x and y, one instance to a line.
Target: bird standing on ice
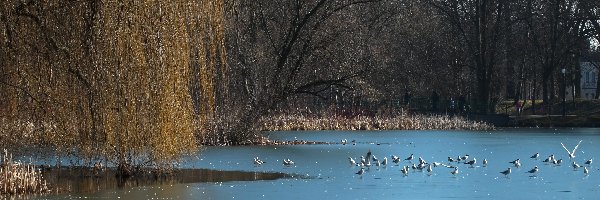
534	170
404	170
258	162
472	162
506	172
588	162
450	159
361	171
455	171
352	161
575	166
288	162
535	156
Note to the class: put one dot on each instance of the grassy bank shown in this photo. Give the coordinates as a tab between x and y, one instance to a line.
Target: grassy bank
578	113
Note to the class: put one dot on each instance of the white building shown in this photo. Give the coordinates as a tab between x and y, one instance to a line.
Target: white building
589	74
588	81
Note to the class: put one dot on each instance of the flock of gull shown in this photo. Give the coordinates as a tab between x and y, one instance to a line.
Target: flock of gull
365	162
420	165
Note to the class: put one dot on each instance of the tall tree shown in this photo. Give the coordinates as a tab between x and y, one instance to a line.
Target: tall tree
478	24
283	50
111	80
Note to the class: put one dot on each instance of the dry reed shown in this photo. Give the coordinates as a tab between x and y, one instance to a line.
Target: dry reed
403	122
19	178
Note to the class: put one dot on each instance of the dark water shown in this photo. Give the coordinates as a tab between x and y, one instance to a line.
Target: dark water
323	171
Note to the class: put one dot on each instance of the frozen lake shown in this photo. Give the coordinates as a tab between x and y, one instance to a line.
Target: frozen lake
323	171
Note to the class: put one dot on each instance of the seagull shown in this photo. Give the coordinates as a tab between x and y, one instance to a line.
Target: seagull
344	141
258	161
435	164
588	162
351	160
465	157
368	157
534	170
516	162
472	162
571	153
450	159
535	156
506	172
363	161
384	162
429	169
422	161
549	159
410	158
367	164
404	170
485	162
288	162
361	171
575	166
557	162
395	159
455	171
421	166
375	159
585	171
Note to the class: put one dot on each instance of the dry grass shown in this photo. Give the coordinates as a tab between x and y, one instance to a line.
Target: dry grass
18	178
403	122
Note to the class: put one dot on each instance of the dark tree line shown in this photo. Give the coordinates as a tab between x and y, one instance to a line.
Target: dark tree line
485	51
92	68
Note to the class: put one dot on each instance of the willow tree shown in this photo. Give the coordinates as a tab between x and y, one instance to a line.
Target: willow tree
112	78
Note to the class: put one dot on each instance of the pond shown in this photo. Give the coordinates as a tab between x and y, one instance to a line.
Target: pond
323	171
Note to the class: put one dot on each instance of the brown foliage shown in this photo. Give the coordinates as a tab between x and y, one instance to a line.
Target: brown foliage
113	78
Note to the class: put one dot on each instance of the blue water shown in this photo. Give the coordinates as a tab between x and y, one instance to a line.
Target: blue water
323	171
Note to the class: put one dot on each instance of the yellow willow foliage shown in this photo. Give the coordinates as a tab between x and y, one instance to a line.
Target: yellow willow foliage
112	78
147	51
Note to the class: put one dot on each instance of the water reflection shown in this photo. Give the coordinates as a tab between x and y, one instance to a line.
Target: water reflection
83	181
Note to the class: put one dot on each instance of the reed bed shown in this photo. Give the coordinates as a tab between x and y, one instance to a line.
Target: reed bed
403	122
18	178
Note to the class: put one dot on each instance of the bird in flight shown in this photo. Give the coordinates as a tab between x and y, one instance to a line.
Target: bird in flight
571	153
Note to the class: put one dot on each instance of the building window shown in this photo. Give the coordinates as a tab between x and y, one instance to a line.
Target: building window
587	77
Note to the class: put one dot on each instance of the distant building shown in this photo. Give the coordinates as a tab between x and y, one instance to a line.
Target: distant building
588	81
